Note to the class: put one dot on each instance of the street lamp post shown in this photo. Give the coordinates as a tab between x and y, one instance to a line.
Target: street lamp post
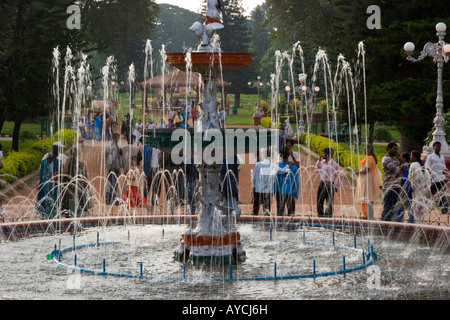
258	114
303	90
440	53
288	89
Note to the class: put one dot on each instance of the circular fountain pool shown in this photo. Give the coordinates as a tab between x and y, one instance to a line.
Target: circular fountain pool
403	270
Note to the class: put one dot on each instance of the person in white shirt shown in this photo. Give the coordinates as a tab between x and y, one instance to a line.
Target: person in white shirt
263	180
172	114
128	151
330	181
151	125
161	124
222	118
138	131
436	164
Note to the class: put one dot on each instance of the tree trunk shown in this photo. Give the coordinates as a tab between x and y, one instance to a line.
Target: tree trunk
371	133
237	99
2	122
408	145
17	40
16	135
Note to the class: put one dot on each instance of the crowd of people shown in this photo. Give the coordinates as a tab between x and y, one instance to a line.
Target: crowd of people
276	176
63	188
411	186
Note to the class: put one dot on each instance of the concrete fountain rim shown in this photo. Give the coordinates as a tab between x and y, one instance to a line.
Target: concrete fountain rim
28	228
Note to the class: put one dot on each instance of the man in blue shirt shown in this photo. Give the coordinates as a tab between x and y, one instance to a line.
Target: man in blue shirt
287	184
184	125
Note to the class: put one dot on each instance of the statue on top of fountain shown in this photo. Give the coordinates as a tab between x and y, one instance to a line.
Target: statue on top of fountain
205	32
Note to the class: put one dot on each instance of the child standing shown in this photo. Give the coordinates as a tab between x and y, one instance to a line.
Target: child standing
132	195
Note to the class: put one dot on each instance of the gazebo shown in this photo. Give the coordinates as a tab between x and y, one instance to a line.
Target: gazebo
177	79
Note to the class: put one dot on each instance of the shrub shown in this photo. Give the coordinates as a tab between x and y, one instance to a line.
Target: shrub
66	137
382	134
19	164
266	121
291	119
42	146
342	154
27	135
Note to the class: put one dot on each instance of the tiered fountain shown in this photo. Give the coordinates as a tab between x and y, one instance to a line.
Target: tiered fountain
212	240
324	252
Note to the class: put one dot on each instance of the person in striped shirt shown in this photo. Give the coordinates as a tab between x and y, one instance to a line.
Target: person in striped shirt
330	181
392	184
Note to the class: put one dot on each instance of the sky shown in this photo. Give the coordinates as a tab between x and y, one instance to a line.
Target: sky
194	5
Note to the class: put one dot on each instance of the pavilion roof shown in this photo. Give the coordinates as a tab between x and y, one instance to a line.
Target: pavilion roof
178	78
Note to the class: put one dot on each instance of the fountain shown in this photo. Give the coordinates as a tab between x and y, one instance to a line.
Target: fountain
301	257
212	239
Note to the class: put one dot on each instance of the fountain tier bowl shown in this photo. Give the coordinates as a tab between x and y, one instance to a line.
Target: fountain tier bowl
203	62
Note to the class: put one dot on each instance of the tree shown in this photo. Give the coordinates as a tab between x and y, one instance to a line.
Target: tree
260	41
396	77
338	27
308	21
119	28
235	37
172	30
36	28
32	29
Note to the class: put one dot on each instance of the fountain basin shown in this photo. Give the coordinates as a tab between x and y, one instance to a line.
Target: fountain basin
203	62
144	252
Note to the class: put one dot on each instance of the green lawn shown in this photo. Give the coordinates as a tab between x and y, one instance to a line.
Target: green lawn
34	128
23	145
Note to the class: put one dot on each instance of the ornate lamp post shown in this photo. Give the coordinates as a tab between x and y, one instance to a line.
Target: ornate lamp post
440	53
288	89
258	114
303	90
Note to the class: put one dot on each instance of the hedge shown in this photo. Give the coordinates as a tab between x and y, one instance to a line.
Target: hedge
19	164
342	155
267	121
